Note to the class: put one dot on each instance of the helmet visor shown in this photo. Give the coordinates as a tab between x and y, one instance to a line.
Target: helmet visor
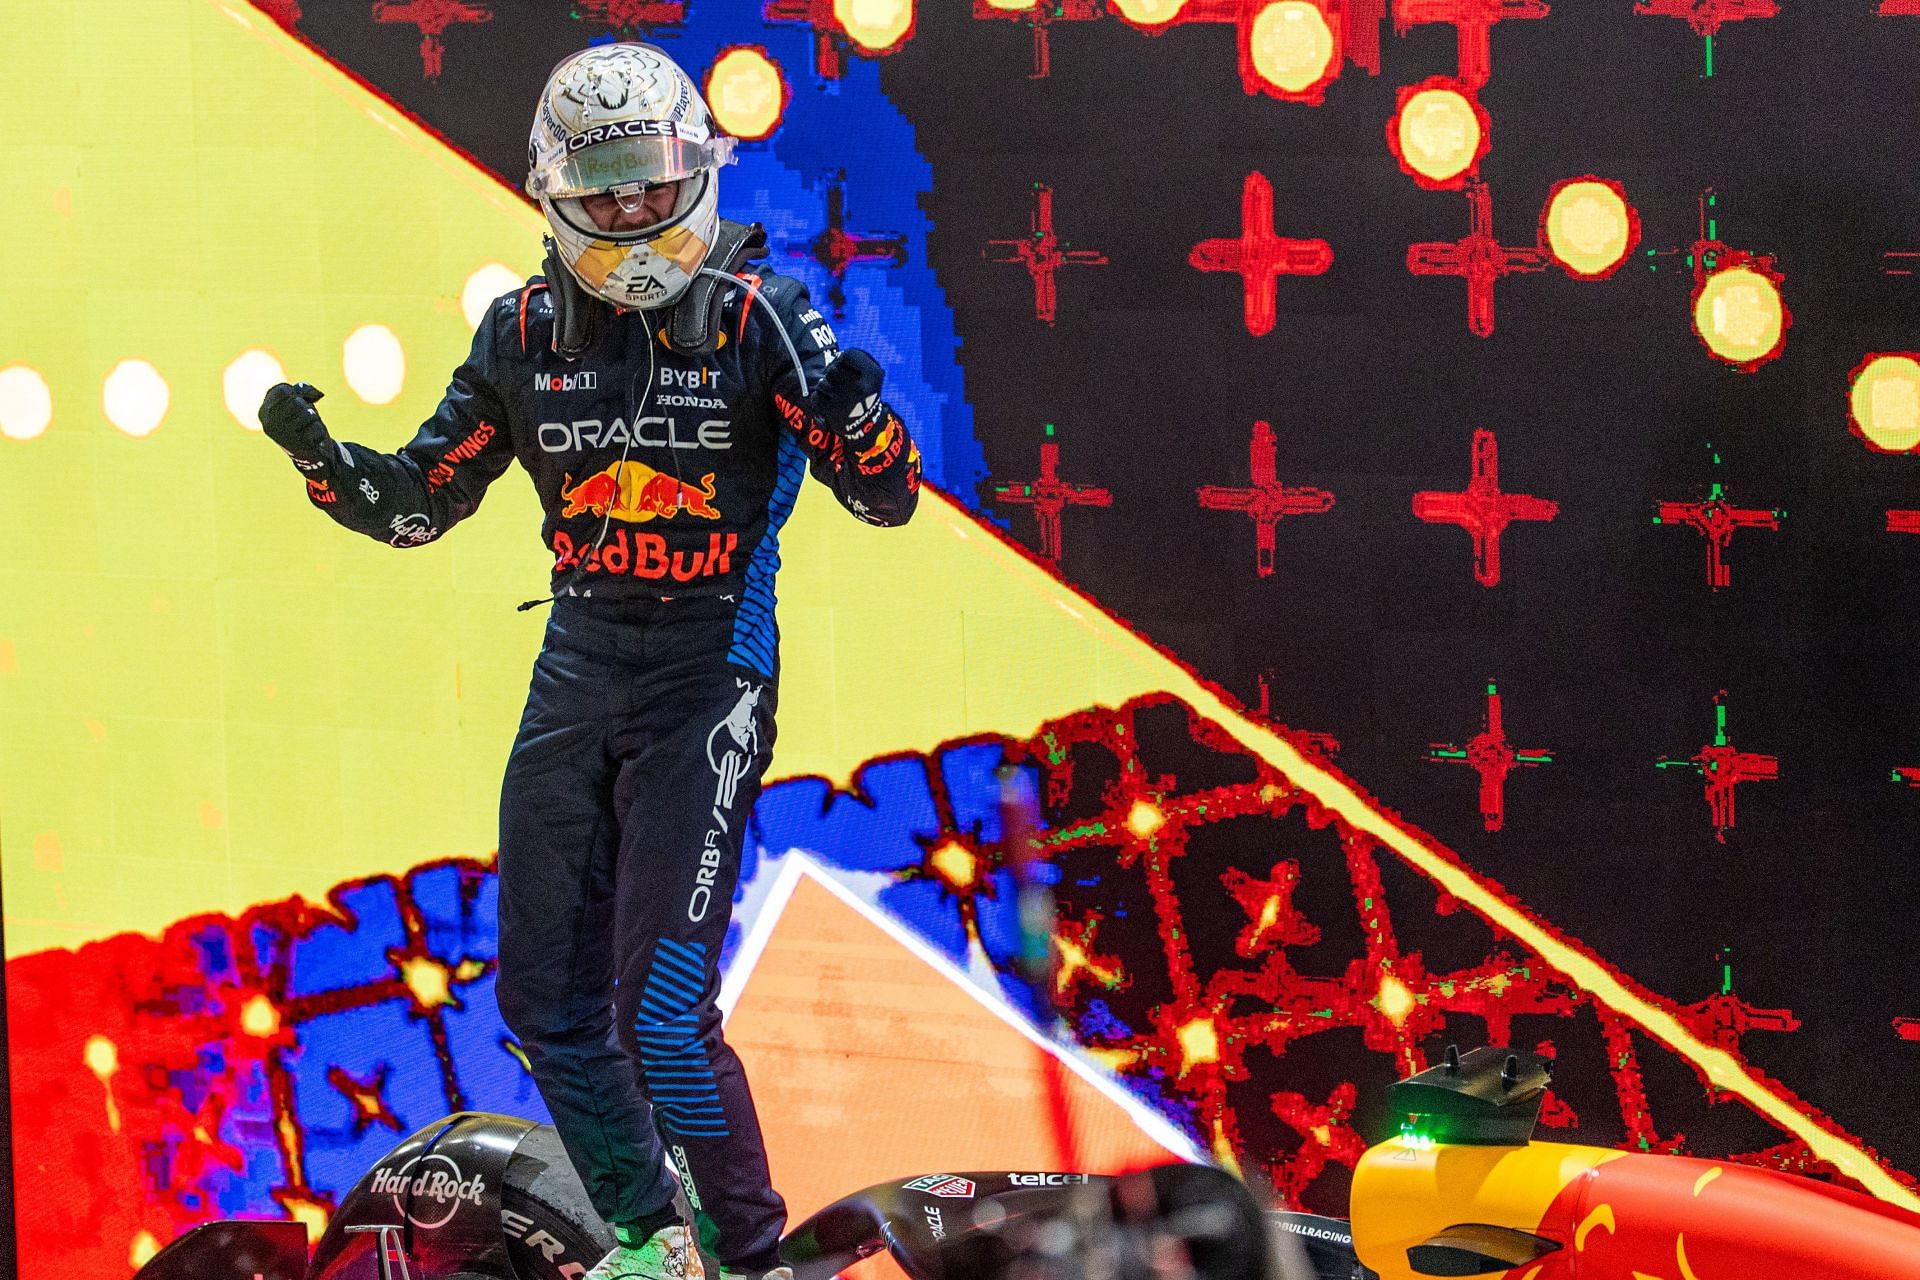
625	162
607	223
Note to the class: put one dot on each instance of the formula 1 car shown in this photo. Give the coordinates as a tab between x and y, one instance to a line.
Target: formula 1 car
1462	1190
488	1197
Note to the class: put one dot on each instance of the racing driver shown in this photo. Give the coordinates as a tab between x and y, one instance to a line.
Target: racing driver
667	403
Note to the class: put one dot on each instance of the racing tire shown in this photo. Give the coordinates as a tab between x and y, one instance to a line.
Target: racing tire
551	1230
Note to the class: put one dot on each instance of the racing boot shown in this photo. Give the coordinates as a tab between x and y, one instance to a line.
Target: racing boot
778	1273
668	1254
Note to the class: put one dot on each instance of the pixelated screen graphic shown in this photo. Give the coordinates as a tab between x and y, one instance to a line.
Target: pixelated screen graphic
1310	393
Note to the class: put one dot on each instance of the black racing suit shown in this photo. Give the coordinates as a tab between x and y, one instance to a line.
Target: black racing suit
665	480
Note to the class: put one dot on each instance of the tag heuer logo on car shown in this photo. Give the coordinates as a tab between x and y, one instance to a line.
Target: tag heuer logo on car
943	1184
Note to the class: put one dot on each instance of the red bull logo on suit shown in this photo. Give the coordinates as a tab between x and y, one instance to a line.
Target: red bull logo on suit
635	492
646	555
879	455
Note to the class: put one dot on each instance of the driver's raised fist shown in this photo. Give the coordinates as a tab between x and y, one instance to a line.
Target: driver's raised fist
847	396
288	417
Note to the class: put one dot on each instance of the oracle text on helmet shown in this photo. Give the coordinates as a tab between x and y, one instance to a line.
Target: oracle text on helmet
626	129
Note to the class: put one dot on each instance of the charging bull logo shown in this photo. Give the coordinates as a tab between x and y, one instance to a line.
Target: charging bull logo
635	492
888	435
732	746
884	450
738	725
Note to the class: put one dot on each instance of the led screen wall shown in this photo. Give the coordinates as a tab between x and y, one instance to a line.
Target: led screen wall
1424	490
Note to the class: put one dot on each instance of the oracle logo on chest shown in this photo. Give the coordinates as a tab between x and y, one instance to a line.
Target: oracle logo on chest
653	433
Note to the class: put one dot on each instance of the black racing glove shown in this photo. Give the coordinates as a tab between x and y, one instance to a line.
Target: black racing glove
290	421
846	399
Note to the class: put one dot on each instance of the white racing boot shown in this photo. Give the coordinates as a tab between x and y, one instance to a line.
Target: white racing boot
668	1254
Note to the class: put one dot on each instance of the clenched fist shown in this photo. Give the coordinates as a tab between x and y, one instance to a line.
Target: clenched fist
846	399
288	417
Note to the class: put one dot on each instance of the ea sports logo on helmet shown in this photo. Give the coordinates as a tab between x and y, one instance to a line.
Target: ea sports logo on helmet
429	1190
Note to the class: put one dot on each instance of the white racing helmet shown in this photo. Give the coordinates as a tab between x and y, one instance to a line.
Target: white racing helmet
617	119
